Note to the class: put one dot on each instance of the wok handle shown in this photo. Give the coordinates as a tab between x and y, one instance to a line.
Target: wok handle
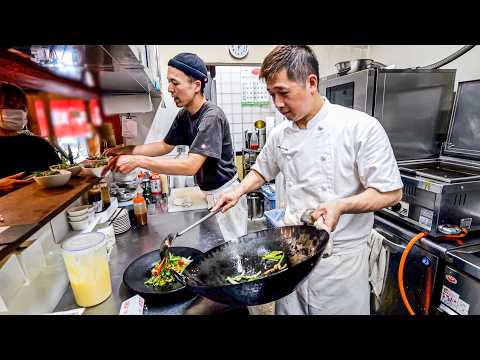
199	222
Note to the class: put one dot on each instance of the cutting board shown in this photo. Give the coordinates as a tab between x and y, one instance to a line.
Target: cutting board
196	195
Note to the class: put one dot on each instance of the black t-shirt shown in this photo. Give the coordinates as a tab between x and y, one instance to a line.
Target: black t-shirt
206	132
25	153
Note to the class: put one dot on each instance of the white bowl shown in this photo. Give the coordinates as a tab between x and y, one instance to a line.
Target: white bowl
79	218
79	225
97	172
74	169
79	210
132	175
54	180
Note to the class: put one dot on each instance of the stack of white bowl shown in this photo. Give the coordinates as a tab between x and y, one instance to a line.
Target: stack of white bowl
80	217
122	223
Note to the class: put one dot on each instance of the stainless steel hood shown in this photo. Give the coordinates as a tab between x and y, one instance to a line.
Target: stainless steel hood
114	69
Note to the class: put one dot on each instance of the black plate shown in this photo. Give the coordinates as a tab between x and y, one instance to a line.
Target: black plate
139	271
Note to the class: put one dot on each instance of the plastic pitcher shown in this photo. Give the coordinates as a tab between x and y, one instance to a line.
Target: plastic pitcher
86	260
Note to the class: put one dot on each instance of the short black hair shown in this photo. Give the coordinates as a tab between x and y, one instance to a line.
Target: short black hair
12	96
299	61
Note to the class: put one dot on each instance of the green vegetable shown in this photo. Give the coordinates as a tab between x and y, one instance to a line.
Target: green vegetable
276	256
46	173
165	276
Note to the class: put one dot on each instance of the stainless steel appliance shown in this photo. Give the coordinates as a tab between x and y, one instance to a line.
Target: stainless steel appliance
255	205
401	100
443	193
424	270
460	293
420	275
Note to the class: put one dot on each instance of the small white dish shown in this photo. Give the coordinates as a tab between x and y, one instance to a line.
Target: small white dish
79	218
79	225
80	210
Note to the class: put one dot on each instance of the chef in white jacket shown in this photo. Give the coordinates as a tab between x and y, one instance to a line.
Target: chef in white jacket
335	160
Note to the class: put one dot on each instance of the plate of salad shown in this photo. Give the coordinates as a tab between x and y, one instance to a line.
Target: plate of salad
145	276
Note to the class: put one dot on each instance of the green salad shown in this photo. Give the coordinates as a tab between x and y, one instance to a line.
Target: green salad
46	173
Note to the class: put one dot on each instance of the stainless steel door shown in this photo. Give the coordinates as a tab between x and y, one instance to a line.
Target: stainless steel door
354	90
419	277
414	99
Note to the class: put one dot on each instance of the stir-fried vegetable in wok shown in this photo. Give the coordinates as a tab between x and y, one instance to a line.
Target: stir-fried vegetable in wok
275	256
161	274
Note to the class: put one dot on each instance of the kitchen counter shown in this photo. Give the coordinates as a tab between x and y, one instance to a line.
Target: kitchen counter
26	210
137	241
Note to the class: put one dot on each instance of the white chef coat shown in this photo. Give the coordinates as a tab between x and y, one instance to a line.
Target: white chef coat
341	153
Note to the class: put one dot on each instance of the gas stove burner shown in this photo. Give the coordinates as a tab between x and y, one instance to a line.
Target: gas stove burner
449	229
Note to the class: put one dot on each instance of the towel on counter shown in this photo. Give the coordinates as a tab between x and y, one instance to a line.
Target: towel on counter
377	262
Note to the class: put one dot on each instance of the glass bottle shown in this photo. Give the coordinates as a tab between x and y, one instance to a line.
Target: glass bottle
254	144
95	198
105	194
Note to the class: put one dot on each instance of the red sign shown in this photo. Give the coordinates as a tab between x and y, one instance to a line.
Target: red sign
450	279
41	117
95	112
68	118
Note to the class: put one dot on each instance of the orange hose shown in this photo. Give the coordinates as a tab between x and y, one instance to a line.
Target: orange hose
403	259
409	247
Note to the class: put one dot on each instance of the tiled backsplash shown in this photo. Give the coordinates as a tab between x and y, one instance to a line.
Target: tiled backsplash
229	96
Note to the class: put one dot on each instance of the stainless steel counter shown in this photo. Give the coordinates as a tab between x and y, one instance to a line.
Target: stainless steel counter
138	241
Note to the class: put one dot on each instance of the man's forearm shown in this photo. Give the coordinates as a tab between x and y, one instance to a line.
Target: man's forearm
369	200
166	166
252	182
153	149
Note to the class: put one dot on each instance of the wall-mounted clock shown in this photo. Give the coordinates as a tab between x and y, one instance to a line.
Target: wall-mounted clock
238	51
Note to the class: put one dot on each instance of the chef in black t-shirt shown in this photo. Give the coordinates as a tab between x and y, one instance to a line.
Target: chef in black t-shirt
202	126
20	154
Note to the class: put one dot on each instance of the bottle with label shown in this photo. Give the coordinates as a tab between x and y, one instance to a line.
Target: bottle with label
156	184
105	194
140	209
95	198
164	182
147	190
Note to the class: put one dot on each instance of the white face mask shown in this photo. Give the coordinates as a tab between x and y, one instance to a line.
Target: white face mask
13	119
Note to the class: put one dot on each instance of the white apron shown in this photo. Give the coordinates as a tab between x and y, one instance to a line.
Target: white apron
233	223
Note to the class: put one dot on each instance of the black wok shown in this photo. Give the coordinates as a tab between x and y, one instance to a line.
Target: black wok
303	246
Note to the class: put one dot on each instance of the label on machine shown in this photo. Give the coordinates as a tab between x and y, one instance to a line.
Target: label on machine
426	217
453	301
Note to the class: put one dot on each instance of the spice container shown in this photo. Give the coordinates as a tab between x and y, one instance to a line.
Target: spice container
105	194
95	198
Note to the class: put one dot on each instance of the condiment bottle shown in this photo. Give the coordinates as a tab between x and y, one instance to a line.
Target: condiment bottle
140	209
156	185
95	198
105	194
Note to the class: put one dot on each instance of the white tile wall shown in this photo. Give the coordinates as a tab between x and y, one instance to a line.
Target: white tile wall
240	117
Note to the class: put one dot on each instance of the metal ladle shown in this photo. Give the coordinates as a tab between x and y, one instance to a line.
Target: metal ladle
170	237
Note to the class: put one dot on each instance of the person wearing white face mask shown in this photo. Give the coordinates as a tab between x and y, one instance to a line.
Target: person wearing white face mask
335	160
21	154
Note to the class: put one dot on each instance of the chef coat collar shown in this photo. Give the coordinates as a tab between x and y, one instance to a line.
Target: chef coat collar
317	119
